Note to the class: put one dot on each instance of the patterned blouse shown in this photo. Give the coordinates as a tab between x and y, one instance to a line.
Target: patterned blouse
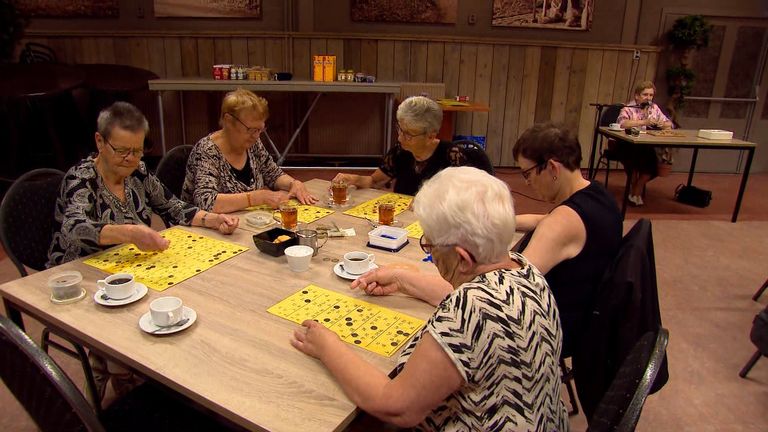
86	205
637	113
209	173
502	332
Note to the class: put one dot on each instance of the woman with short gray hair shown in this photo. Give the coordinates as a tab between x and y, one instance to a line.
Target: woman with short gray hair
419	155
488	357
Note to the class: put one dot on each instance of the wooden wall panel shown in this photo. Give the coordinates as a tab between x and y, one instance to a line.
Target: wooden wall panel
561	83
435	52
482	91
467	69
385	67
418	62
401	63
522	82
546	84
513	97
497	102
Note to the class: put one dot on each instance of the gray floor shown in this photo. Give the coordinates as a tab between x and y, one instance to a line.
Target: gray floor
707	272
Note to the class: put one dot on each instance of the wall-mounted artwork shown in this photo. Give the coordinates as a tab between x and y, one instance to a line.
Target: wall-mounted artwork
208	8
406	11
69	8
550	14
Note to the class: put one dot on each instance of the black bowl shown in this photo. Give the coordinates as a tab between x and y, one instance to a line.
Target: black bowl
264	241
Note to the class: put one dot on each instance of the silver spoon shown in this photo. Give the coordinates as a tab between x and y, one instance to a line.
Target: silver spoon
178	324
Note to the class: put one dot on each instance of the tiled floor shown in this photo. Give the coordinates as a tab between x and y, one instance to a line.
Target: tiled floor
708	269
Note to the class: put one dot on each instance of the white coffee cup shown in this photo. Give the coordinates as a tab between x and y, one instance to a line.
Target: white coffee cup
357	262
615	126
118	286
166	311
65	285
299	257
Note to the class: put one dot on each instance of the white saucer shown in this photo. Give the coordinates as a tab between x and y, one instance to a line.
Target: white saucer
141	291
615	129
71	300
146	324
343	274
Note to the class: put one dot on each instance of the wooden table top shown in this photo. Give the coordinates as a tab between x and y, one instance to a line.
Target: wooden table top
689	138
236	359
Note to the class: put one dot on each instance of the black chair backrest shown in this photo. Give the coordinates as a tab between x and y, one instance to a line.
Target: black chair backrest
759	333
620	408
34	52
610	114
40	386
27	218
173	168
473	155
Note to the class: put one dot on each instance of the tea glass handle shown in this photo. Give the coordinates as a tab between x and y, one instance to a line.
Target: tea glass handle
323	236
277	216
371	258
101	283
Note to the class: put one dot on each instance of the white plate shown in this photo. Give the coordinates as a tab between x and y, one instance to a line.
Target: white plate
146	324
343	274
615	129
141	291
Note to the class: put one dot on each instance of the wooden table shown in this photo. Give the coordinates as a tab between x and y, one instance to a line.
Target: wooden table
236	359
388	89
689	140
449	117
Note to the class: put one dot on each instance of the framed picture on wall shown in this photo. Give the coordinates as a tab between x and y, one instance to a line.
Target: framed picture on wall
69	8
209	8
550	14
405	11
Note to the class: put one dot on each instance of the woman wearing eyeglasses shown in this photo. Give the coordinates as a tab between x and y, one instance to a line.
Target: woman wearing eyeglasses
420	154
230	169
487	358
576	242
109	198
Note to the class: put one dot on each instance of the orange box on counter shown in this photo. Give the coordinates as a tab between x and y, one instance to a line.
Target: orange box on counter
329	68
317	67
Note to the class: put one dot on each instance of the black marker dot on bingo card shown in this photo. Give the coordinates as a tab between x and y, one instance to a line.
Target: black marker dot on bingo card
393	343
374	328
326	319
305	292
353	334
307	301
347	319
349	324
358	342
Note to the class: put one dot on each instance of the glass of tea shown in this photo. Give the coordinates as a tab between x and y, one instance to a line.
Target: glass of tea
339	192
386	211
289	215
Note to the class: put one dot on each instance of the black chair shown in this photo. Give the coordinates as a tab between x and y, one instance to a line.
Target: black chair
608	153
620	408
26	229
471	154
759	336
55	404
625	307
760	291
173	168
34	52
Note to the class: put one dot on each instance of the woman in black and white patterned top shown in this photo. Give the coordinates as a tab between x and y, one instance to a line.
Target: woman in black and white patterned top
488	357
230	169
109	198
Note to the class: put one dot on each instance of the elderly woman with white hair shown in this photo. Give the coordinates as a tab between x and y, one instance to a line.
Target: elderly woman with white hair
420	154
487	359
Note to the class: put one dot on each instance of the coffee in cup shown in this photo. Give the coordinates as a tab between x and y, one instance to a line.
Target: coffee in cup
298	257
118	286
357	262
166	311
289	216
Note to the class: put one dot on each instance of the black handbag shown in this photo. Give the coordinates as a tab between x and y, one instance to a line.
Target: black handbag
692	195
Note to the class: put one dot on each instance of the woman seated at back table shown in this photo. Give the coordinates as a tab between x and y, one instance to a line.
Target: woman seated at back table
643	160
229	169
109	198
575	243
419	155
487	359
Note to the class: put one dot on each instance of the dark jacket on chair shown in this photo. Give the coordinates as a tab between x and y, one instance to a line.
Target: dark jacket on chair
626	306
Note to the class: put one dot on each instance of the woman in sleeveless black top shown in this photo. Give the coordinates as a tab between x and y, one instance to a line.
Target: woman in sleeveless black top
575	243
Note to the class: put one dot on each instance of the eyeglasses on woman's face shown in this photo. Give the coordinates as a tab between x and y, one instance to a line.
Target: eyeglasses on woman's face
124	152
526	173
249	130
407	135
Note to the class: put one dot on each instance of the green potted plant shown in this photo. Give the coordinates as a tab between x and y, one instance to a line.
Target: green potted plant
11	30
688	34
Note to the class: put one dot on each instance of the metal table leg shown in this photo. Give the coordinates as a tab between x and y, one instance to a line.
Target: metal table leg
743	185
298	129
